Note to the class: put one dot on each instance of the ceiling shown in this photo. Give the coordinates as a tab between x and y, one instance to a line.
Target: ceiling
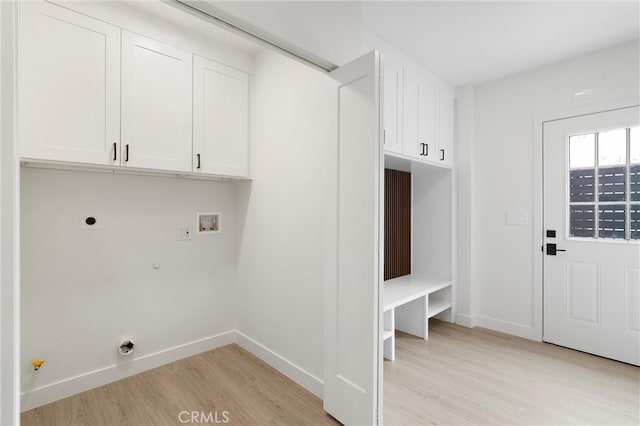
463	42
477	41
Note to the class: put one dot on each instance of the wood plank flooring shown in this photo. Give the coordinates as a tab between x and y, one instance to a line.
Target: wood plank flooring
480	377
226	379
459	376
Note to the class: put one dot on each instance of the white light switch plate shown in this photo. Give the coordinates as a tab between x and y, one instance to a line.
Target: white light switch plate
517	218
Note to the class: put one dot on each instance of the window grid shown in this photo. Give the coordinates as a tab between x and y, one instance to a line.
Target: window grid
629	206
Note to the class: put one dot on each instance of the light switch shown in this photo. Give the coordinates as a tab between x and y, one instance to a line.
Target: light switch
517	218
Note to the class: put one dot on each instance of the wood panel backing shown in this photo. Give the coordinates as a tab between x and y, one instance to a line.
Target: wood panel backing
397	223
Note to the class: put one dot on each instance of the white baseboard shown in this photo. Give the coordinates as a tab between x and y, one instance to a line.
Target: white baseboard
464	320
93	379
283	365
502	326
84	382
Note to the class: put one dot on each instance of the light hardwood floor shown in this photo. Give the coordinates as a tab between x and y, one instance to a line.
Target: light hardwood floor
459	376
480	377
226	379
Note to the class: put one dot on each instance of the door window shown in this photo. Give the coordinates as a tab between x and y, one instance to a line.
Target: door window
604	184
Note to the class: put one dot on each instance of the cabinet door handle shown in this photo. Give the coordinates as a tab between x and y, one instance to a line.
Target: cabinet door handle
126	153
198	156
426	149
115	154
442	155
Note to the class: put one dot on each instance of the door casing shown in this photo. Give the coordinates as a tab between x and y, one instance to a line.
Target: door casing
538	195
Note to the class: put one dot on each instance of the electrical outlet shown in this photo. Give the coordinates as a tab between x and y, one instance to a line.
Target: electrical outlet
185	234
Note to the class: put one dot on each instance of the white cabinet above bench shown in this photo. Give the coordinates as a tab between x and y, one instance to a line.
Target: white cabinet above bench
418	113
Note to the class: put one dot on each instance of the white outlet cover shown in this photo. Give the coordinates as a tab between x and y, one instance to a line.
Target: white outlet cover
85	221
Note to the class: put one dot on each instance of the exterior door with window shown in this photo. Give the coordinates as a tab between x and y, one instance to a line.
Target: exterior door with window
592	233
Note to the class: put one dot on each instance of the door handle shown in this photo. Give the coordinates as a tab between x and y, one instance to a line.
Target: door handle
115	153
442	155
552	249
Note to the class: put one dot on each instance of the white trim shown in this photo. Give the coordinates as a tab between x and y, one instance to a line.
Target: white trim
100	377
9	222
515	329
93	379
508	327
464	320
228	21
538	239
296	373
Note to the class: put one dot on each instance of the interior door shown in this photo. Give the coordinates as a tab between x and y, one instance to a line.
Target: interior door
592	234
353	356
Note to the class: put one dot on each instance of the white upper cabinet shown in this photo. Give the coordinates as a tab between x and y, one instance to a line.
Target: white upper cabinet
418	109
69	86
392	106
156	105
445	146
220	119
420	117
92	93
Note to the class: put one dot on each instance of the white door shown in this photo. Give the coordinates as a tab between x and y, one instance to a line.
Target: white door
156	105
592	216
353	309
68	86
220	119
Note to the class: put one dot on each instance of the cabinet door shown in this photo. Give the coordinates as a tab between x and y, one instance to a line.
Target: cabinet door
220	119
69	86
156	105
420	118
429	120
445	148
392	107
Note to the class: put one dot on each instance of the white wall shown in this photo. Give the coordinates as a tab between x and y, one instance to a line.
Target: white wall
83	291
280	260
9	218
502	175
329	30
464	153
